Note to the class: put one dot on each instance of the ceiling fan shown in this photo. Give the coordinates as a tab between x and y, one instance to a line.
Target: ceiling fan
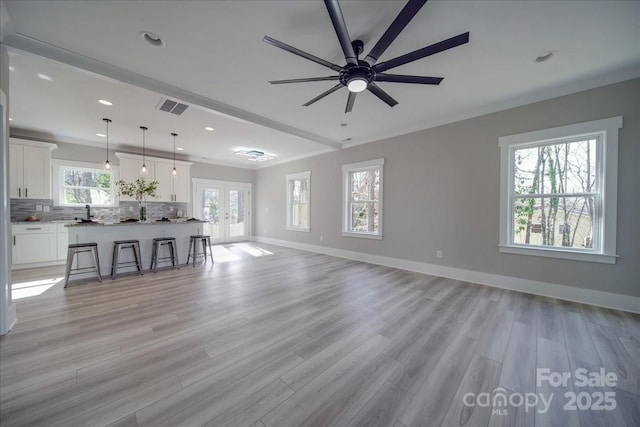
360	74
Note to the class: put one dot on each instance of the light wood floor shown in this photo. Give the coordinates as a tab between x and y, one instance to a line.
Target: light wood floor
290	338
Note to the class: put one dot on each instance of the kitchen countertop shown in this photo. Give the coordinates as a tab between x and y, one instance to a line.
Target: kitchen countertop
129	223
75	223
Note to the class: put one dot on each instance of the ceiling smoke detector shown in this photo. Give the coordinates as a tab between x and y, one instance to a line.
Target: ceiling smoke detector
255	155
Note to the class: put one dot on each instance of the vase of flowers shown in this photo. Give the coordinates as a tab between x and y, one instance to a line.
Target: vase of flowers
139	189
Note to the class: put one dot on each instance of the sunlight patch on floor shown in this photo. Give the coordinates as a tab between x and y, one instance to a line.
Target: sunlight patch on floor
222	254
252	250
33	288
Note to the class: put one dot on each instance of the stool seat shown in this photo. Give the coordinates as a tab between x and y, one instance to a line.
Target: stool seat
118	245
158	242
82	245
78	248
193	248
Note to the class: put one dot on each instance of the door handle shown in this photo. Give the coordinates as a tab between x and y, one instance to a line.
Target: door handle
14	240
19	192
34	228
26	192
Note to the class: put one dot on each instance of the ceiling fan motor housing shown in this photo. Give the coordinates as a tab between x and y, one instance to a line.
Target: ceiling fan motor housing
362	71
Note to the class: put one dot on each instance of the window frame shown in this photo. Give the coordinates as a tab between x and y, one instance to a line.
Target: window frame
347	169
59	166
606	168
289	206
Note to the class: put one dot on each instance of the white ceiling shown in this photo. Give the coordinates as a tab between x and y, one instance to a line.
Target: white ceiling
215	61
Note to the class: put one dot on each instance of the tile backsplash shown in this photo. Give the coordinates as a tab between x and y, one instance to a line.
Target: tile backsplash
22	208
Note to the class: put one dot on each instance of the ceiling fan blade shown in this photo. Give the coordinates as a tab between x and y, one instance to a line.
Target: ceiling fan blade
301	53
404	17
375	89
333	7
323	94
309	79
399	78
350	101
458	40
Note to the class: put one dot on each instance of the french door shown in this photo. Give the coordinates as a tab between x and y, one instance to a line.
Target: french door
226	208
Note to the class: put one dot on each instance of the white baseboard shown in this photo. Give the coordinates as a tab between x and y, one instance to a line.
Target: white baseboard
564	292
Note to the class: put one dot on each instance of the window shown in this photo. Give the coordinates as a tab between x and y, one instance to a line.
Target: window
83	184
298	198
559	191
362	184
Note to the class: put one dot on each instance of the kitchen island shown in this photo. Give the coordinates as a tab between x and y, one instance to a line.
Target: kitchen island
104	234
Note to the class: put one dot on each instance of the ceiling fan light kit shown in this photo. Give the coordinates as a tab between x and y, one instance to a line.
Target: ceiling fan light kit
358	74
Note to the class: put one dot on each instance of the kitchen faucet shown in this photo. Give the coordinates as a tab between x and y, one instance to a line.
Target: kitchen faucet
88	207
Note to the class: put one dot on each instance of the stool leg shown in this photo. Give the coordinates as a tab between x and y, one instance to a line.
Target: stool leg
204	250
70	254
174	254
210	251
96	260
114	262
136	253
195	250
154	257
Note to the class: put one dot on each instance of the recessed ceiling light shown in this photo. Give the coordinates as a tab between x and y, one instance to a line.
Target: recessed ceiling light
152	38
105	102
209	128
11	68
179	149
546	55
44	77
10	119
101	135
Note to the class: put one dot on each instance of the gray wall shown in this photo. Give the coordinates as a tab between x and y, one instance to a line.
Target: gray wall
441	191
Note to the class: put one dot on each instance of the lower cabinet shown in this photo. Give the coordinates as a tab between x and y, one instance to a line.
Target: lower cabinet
34	243
63	241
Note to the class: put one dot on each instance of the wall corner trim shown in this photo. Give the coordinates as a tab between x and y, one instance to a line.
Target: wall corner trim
563	292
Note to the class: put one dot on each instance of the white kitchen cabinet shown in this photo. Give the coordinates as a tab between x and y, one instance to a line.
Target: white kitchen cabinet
182	184
30	169
34	243
164	176
170	188
62	241
131	169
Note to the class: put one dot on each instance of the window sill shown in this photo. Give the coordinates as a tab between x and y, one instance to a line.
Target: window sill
362	235
304	230
559	254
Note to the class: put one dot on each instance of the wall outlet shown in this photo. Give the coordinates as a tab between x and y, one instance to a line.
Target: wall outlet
439	253
38	208
46	208
321	238
170	208
130	208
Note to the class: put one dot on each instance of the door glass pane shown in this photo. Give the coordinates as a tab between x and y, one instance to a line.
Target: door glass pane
236	213
211	212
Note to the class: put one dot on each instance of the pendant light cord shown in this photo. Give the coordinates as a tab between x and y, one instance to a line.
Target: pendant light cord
107	165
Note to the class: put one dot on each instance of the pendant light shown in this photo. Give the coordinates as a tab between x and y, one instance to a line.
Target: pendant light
144	163
107	165
174	171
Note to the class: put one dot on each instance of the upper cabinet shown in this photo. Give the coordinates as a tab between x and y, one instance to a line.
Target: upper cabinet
171	188
30	169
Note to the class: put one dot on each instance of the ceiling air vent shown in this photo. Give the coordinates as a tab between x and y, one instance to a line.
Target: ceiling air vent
173	107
